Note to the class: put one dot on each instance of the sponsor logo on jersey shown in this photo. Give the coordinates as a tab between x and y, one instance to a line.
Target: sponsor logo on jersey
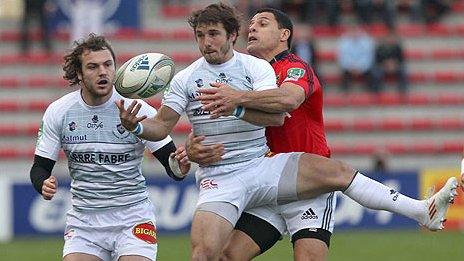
199	83
309	214
395	194
73	138
69	234
95	124
223	78
248	79
99	158
72	126
295	73
146	232
208	184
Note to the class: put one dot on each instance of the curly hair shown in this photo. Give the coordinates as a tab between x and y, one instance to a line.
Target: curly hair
73	61
217	13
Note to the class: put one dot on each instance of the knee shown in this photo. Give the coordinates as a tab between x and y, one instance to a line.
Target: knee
336	175
203	253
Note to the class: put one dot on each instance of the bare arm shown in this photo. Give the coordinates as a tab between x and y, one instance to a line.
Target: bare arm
224	98
154	129
261	118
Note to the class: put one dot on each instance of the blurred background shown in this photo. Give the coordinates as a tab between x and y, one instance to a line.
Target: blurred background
393	76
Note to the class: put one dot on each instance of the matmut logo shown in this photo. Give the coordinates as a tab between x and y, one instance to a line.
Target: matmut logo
146	232
208	184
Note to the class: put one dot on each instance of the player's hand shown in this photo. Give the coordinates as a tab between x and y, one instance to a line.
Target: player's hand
128	116
219	101
203	154
49	187
181	156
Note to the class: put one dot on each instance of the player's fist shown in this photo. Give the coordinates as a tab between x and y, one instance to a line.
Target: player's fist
49	187
179	162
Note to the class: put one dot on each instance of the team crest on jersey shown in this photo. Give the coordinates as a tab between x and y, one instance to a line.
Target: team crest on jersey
72	126
295	73
146	232
120	132
199	83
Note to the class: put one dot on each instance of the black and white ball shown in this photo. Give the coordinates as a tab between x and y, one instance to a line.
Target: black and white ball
144	75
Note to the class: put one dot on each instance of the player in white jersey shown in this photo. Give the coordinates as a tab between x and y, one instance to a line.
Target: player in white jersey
245	177
112	217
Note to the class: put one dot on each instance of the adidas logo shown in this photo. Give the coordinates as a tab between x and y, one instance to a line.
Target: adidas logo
144	65
309	214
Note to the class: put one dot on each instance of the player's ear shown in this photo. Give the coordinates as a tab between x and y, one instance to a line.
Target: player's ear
284	35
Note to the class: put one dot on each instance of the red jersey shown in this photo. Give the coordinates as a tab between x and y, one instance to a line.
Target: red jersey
304	130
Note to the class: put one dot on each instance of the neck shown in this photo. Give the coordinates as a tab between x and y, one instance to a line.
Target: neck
270	55
93	100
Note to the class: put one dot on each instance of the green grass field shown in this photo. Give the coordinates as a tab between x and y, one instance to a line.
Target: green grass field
346	246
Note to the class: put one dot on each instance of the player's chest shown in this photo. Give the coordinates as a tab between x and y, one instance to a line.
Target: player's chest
94	127
238	80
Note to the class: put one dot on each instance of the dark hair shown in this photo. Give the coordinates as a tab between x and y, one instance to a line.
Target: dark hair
73	61
283	20
214	14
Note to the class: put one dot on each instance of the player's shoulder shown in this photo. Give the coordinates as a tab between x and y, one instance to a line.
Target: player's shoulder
185	73
293	60
250	60
65	102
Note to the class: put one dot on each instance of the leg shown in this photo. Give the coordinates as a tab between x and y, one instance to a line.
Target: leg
310	249
209	234
310	223
134	258
80	257
254	233
317	175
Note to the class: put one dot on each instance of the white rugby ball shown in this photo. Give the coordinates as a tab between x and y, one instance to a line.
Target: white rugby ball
144	75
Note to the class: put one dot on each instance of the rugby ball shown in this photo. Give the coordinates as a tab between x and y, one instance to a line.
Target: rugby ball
144	75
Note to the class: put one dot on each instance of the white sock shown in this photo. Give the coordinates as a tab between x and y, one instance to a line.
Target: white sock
375	195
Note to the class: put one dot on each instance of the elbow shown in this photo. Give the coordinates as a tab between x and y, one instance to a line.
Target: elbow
278	120
291	103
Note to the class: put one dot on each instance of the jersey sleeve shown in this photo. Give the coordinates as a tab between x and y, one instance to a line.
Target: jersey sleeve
48	138
264	76
301	75
175	96
151	112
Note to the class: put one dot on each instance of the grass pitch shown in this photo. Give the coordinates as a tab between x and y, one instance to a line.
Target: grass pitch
345	246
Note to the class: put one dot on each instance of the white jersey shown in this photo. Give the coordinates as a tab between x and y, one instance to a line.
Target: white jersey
242	141
104	159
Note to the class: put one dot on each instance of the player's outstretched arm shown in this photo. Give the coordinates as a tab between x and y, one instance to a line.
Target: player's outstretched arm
41	177
153	129
223	98
169	156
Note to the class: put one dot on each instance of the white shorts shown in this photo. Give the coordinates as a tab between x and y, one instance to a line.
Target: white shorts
304	214
261	181
109	234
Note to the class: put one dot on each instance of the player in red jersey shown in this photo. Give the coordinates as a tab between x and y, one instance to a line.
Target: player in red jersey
310	222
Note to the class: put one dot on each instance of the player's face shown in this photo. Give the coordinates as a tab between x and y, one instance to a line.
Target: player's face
213	42
264	35
97	74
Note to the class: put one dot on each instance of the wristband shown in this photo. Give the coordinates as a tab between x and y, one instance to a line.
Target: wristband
138	129
239	112
175	168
